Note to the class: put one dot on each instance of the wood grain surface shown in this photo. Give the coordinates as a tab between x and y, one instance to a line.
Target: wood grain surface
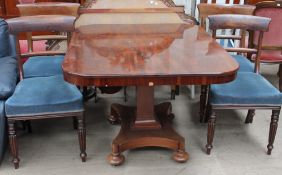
160	54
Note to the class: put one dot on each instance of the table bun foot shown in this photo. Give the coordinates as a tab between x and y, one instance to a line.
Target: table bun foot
180	156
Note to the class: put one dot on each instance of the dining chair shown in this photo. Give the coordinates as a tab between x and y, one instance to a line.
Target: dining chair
42	97
271	44
245	64
249	90
52	65
33	67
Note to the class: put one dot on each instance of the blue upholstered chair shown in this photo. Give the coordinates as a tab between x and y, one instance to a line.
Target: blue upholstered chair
249	90
44	65
8	78
244	64
43	97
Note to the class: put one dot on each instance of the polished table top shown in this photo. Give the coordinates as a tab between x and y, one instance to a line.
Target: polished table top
147	54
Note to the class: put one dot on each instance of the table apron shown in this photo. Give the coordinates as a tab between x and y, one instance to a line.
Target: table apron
149	80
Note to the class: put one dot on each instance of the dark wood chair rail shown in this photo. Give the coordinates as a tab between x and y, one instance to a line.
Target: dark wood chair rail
58	23
238	21
48	8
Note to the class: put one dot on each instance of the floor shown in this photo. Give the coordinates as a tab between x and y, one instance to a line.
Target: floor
52	148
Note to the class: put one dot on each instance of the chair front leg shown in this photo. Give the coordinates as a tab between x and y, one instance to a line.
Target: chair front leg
272	130
13	143
250	116
74	123
280	77
82	137
203	102
172	92
211	128
125	93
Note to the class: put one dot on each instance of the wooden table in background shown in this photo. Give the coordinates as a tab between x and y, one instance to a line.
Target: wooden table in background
146	55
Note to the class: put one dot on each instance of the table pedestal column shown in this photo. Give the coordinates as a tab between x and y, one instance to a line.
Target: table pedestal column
145	125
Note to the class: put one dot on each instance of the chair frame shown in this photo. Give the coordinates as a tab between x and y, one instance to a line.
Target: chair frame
58	23
250	24
270	4
215	9
49	8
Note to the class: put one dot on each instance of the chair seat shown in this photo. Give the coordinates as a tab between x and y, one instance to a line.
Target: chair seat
8	76
44	95
271	57
43	66
246	89
244	64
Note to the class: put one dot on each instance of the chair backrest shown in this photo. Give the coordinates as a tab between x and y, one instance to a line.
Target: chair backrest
214	9
272	39
39	23
244	23
48	8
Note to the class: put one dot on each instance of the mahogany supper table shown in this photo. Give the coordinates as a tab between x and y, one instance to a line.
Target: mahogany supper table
146	55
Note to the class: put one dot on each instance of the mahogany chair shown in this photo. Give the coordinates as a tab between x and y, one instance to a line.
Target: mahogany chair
272	40
194	3
47	8
33	66
249	90
245	65
43	97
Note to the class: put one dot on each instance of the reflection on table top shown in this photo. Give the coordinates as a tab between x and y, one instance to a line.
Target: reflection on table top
116	4
150	50
128	18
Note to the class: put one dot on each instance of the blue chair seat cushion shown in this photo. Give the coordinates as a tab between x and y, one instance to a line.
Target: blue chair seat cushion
245	65
8	76
44	95
43	66
246	89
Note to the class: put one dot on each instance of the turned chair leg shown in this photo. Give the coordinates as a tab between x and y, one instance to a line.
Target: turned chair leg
88	93
211	128
272	130
29	127
125	93
177	90
13	143
250	116
172	92
280	77
203	102
95	97
207	113
82	137
74	123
